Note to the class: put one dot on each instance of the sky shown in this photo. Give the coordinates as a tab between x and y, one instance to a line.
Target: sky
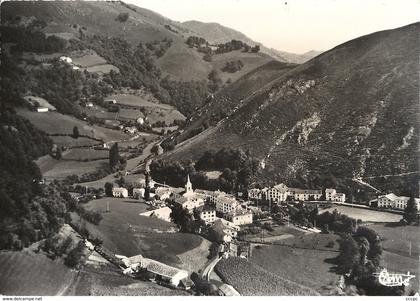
293	25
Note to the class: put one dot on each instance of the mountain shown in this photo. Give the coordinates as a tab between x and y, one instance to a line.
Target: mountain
349	114
65	18
216	33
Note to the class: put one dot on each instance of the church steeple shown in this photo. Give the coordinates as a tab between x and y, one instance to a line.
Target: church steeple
188	186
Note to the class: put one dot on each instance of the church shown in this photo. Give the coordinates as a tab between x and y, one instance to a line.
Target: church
190	199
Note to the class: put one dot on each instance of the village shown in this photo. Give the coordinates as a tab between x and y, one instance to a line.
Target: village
226	215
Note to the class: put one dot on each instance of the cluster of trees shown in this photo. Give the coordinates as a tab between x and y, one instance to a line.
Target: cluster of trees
30	39
233	66
237	168
122	17
194	41
27	211
360	257
159	48
336	222
236	45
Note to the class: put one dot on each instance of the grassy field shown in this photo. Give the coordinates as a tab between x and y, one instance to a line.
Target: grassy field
396	238
304	266
126	232
27	273
88	60
105	69
137	101
366	215
252	280
54	169
69	141
56	123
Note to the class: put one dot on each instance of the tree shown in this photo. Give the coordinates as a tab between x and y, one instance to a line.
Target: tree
122	17
182	218
349	253
155	149
58	154
75	132
114	156
108	189
410	211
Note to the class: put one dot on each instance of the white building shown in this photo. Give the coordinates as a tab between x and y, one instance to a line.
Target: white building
190	199
239	217
332	195
208	215
66	59
277	193
120	192
42	109
226	229
305	194
393	201
226	204
156	270
254	194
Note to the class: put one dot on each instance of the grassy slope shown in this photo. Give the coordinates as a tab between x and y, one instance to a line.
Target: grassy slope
366	215
27	273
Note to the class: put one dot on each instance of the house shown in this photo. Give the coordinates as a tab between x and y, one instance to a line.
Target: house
120	192
239	217
75	68
208	214
225	203
163	193
89	105
130	130
42	109
393	201
140	120
332	195
66	59
155	270
225	229
163	213
138	193
113	101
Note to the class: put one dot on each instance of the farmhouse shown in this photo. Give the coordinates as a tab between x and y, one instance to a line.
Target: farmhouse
155	270
42	109
120	192
332	195
163	193
113	101
391	200
239	217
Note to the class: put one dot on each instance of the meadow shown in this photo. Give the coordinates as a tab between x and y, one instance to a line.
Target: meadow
366	215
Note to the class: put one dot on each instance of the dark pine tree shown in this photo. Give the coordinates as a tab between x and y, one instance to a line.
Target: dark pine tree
114	156
410	212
